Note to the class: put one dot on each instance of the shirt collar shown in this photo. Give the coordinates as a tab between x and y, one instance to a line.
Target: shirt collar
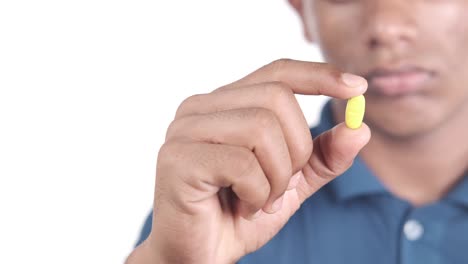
459	194
358	180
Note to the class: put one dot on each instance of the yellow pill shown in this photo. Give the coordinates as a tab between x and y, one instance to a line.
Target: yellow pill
355	109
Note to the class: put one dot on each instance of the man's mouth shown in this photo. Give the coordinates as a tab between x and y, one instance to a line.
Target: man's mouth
399	81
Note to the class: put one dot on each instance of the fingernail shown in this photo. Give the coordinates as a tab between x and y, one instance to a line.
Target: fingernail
294	181
277	204
352	80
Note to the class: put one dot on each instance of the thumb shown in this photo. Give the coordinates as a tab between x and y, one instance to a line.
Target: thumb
333	153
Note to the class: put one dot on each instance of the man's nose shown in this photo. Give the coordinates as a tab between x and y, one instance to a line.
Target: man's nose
390	23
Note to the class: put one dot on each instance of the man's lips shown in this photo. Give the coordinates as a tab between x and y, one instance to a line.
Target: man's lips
399	81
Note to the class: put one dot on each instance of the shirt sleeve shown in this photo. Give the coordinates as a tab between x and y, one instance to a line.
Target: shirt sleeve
146	230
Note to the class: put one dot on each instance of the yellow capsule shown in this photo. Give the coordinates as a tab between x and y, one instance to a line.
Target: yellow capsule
355	109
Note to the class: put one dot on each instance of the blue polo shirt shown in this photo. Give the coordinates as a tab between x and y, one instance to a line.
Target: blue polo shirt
354	219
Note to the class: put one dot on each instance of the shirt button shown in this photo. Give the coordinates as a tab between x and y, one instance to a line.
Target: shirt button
413	230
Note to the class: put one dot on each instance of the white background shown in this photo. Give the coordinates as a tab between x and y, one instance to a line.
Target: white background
87	89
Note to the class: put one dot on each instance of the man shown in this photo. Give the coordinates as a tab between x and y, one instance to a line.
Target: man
240	179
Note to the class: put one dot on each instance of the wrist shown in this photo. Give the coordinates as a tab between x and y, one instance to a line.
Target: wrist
145	254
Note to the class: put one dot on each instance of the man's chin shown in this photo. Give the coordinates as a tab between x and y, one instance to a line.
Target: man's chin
402	117
403	127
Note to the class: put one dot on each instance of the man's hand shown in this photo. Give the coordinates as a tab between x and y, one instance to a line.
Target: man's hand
238	162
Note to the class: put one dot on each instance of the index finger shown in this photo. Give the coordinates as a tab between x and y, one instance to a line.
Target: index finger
309	78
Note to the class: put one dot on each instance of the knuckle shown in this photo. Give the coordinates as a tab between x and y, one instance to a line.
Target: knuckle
246	161
265	119
338	164
266	123
167	155
251	173
327	67
281	94
334	164
304	150
326	173
178	128
185	162
278	66
338	161
333	169
333	71
173	129
188	104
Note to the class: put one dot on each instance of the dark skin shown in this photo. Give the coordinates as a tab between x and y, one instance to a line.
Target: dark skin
239	161
424	132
